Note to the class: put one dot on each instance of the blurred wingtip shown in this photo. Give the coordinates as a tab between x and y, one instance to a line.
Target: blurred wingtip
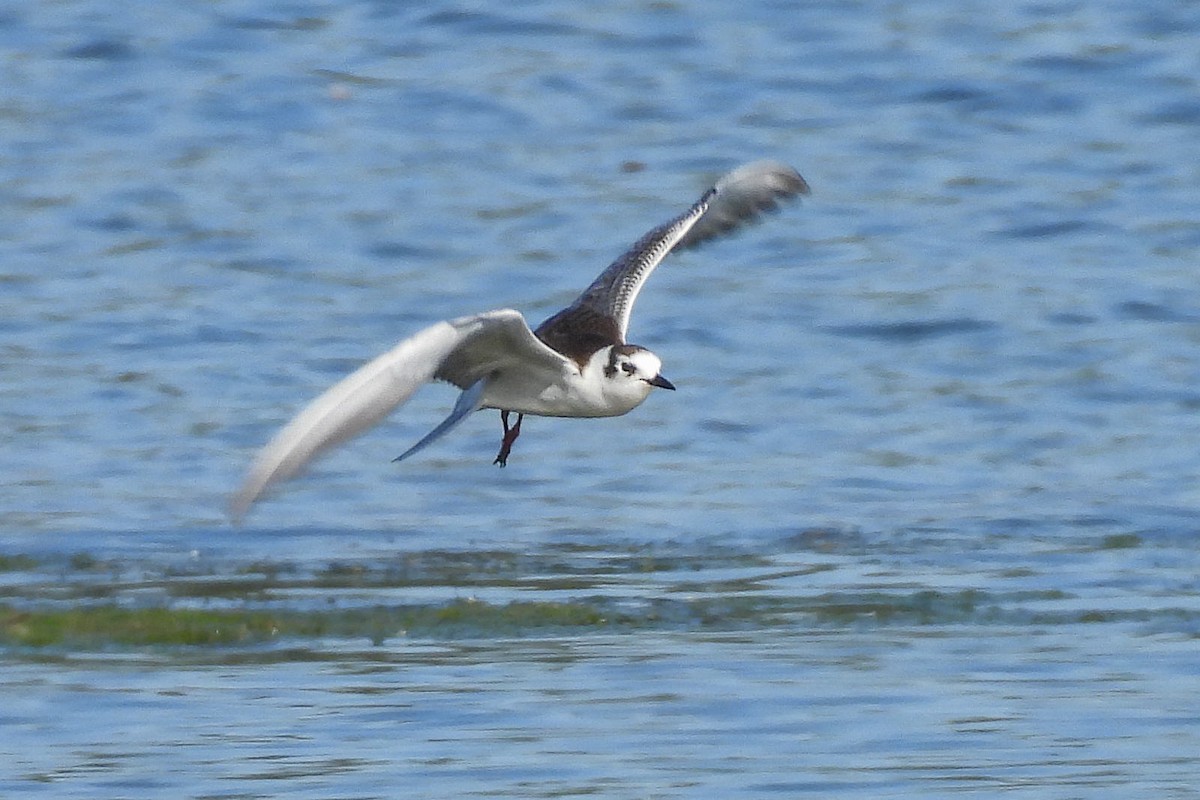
743	195
239	505
765	177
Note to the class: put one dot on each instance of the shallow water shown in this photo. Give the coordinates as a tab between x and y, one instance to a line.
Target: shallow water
920	520
827	663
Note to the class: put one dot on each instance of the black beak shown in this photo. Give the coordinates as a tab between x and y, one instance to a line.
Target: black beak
661	383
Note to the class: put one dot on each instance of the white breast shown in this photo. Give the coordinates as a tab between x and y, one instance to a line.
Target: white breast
569	393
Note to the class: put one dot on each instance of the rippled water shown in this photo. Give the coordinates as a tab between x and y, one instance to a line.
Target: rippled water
920	520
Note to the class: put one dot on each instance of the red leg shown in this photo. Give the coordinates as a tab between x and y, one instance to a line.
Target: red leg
510	436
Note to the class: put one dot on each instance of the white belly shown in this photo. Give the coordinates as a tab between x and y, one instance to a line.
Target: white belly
570	395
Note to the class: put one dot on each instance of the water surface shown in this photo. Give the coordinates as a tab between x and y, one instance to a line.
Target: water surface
920	520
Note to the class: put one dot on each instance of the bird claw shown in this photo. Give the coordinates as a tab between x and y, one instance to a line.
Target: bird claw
510	436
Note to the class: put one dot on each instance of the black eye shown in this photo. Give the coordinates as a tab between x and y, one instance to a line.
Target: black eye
629	368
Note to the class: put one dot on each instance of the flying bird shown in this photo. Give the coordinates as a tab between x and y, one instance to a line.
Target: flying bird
575	364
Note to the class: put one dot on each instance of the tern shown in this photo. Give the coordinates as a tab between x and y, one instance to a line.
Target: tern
575	364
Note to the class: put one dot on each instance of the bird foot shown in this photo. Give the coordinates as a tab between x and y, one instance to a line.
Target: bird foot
510	436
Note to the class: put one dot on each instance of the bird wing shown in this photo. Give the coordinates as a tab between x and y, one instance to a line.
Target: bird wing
464	351
739	197
493	342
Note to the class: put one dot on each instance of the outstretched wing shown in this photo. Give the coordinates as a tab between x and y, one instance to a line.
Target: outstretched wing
741	196
464	351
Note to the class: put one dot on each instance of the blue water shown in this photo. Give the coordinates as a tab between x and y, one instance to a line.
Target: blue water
965	369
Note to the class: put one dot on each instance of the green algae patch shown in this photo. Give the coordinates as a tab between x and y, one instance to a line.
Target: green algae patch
109	626
1120	541
517	616
106	626
16	563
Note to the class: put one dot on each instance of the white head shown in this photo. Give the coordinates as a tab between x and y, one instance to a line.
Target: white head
627	374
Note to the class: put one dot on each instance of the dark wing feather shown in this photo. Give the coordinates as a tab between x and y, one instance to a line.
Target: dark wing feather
601	314
578	331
